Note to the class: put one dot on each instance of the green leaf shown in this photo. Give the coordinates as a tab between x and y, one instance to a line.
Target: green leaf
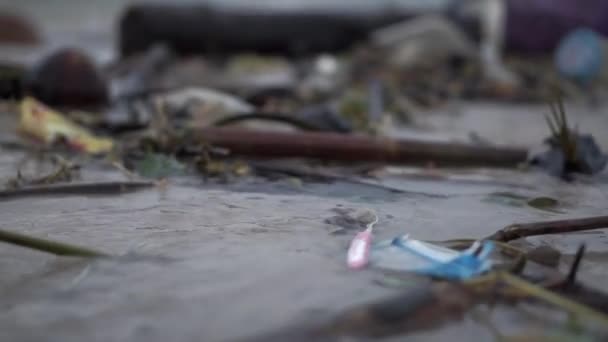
158	166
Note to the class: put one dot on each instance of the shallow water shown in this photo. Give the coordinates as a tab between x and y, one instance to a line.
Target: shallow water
210	262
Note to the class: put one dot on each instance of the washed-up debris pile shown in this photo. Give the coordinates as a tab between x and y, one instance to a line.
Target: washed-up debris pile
203	100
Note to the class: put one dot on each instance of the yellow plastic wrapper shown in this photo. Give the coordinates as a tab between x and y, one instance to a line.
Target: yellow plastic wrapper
48	126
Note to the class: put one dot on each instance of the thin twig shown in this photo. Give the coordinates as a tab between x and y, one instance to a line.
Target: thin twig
520	230
571	278
102	188
53	247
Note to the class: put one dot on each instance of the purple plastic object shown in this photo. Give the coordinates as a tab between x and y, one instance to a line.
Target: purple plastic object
537	26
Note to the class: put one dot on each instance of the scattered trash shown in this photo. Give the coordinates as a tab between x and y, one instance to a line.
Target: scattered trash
358	252
50	127
410	255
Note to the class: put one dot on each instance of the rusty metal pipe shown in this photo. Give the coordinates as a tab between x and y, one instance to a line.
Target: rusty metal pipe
358	148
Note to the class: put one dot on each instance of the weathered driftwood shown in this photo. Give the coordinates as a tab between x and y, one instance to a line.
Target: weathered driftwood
357	148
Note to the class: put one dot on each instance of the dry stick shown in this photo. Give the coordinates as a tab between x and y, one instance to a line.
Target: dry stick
53	247
76	189
519	230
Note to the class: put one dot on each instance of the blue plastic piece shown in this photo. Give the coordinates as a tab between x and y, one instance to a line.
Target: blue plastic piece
580	55
435	261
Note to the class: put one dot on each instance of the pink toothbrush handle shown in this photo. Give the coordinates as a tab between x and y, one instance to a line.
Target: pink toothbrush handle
358	252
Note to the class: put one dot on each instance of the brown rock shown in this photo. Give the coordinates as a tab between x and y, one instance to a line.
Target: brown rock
69	78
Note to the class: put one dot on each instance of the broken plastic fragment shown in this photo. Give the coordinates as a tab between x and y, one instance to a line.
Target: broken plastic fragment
410	255
48	126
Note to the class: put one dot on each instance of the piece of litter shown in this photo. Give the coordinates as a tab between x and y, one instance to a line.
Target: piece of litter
359	250
410	255
49	126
